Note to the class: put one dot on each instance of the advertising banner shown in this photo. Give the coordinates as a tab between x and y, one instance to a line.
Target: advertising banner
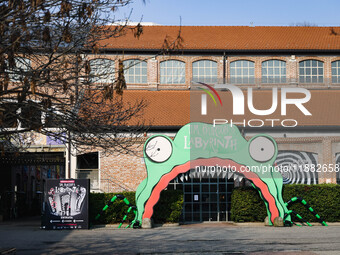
66	204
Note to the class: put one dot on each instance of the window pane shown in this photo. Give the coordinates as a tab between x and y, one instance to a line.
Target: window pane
102	70
205	70
174	72
311	71
335	72
22	66
274	71
135	71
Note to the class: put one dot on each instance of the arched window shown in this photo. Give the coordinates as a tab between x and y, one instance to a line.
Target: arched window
21	69
135	71
242	72
172	72
273	71
204	71
102	70
311	71
336	71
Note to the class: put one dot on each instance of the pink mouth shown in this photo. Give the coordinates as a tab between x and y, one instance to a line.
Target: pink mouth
165	179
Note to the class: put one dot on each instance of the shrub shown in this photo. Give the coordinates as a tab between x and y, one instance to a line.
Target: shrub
168	208
246	204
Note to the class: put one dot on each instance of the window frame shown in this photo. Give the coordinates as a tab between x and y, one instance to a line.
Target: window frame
206	78
308	68
17	74
110	76
273	78
337	75
143	78
165	70
241	78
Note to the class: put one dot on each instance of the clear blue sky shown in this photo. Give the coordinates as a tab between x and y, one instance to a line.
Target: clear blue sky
235	12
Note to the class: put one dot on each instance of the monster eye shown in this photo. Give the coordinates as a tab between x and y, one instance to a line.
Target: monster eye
261	149
158	149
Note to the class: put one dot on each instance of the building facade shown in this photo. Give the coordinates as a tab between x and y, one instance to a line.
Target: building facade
163	67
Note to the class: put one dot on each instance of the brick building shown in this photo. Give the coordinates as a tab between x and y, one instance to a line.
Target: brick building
261	58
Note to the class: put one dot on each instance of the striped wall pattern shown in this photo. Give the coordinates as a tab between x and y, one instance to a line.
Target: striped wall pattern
294	167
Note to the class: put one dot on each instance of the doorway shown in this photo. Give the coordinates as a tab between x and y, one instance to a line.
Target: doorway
205	199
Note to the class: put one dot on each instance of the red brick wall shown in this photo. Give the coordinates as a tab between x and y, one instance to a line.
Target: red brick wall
122	172
128	171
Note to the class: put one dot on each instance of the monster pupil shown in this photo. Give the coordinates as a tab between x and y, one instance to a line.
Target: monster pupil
158	149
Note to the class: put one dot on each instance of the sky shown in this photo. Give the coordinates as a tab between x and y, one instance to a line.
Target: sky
234	12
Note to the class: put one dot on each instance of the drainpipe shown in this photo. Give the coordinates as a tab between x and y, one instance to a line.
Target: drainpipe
224	67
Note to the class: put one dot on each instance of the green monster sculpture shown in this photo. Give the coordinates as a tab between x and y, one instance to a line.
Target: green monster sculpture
222	147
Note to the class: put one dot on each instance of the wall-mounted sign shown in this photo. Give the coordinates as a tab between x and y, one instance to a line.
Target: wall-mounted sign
66	204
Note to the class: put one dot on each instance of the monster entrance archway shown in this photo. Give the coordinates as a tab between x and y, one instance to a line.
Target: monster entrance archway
220	146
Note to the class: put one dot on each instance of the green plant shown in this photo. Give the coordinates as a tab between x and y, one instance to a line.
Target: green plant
168	209
246	204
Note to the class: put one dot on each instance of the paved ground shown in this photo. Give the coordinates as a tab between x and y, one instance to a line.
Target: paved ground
28	238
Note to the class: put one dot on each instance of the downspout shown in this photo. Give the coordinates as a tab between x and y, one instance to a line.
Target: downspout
224	67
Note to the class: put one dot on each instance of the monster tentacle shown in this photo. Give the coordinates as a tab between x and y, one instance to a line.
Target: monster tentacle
305	204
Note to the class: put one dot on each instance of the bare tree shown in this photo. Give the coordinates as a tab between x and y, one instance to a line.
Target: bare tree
47	83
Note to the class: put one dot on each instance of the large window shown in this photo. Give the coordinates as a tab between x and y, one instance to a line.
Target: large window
135	71
336	72
8	115
311	71
102	70
21	69
172	72
204	71
242	72
273	71
87	168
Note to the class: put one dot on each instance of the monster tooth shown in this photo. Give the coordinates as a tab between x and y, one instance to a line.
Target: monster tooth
230	174
235	176
198	174
201	174
186	176
212	174
181	177
192	174
224	173
240	178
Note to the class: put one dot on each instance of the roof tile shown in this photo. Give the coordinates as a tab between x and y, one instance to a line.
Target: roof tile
231	38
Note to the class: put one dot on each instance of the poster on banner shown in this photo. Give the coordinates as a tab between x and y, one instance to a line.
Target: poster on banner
66	204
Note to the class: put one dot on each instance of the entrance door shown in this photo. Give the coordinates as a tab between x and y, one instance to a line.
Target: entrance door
206	199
